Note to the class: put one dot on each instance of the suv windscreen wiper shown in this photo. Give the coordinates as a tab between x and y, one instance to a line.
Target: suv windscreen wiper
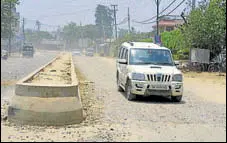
165	64
144	63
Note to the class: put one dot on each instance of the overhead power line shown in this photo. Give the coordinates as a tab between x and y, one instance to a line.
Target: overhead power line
176	7
156	15
162	15
64	14
123	21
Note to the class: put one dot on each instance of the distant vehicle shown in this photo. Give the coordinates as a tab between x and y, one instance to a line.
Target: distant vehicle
89	52
28	50
146	69
4	54
76	52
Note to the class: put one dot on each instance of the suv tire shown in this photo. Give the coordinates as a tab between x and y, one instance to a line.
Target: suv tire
176	98
128	88
119	88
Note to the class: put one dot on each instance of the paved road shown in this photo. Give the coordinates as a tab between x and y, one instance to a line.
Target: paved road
155	118
16	67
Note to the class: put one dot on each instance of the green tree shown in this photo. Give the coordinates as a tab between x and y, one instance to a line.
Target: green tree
7	18
104	20
207	25
37	36
175	41
90	31
122	32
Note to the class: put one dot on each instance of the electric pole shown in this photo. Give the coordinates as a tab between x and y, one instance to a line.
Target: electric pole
81	35
129	31
23	30
193	4
38	25
115	19
10	26
104	34
157	18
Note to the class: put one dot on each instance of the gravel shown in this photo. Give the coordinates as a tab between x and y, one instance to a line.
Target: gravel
110	117
146	119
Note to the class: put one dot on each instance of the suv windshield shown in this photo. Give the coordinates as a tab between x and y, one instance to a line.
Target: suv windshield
150	56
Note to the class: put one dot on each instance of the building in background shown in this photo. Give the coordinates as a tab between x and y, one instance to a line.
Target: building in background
167	23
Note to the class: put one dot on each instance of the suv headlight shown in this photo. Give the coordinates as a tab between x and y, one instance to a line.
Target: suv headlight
177	77
138	76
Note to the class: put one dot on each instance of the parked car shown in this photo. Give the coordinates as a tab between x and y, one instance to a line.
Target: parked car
145	69
4	54
76	52
89	52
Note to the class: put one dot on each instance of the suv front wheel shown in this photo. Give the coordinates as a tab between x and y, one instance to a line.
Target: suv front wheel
118	84
176	98
128	88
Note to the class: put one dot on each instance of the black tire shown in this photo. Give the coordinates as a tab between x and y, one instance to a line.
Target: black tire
176	98
213	68
129	95
119	88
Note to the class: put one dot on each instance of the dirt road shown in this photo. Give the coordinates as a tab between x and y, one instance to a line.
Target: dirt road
201	116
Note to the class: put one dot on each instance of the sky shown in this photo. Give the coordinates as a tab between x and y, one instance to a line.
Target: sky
53	13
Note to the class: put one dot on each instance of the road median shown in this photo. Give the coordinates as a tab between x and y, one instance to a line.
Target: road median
48	96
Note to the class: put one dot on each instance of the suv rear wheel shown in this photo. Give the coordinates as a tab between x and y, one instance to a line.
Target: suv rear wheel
128	88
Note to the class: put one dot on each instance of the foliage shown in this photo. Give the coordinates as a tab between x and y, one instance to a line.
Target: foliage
205	29
104	21
175	41
207	25
7	17
37	36
122	32
72	32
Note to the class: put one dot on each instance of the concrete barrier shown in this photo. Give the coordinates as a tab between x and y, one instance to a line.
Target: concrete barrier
48	96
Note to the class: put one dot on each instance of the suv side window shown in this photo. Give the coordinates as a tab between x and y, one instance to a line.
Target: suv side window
123	56
122	53
126	54
119	52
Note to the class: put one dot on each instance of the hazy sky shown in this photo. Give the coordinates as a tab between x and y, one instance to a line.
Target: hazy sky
61	12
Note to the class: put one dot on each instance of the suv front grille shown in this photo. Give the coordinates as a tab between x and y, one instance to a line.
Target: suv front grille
159	78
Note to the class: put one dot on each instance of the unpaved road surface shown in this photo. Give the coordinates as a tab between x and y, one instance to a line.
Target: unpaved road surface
201	116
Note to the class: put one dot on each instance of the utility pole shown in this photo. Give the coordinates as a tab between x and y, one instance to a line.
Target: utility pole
157	18
104	34
10	26
81	35
193	4
129	29
38	24
115	19
23	30
23	33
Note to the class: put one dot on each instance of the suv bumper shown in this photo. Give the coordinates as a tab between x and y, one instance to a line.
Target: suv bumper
146	88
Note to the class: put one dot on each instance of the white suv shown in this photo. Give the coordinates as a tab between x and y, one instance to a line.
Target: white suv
148	69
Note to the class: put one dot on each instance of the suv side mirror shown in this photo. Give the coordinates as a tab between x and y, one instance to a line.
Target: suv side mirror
122	61
177	63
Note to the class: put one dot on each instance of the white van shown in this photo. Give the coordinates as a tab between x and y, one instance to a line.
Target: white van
147	69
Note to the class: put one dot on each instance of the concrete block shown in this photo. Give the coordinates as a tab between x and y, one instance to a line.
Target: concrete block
47	103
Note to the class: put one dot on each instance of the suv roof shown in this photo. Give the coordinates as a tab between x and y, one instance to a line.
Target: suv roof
143	45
